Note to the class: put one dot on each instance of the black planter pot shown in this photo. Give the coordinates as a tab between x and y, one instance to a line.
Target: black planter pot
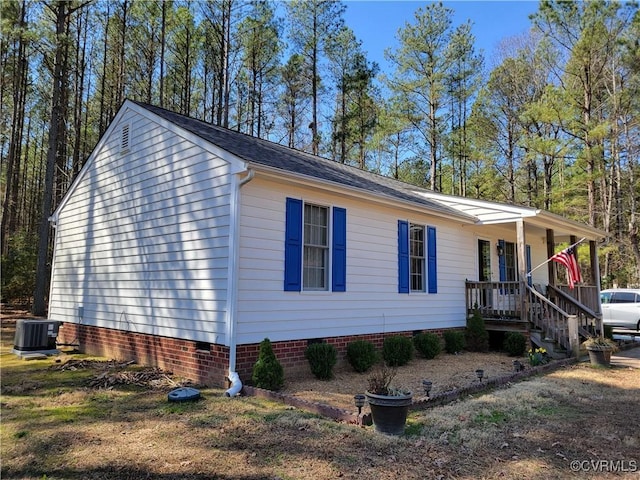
600	357
389	412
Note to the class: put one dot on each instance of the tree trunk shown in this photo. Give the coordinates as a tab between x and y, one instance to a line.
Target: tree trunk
61	11
14	156
162	50
315	141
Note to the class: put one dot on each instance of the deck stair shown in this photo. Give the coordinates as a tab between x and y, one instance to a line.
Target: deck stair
538	340
554	319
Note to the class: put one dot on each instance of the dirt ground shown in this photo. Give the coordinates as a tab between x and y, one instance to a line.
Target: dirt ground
66	423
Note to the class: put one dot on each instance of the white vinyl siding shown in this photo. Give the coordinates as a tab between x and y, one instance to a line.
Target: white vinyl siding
142	244
371	303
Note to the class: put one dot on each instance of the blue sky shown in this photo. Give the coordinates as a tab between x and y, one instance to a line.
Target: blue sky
376	22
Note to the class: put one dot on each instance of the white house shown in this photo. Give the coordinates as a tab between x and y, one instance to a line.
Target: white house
183	245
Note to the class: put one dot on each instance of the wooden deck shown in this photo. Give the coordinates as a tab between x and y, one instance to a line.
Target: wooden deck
557	312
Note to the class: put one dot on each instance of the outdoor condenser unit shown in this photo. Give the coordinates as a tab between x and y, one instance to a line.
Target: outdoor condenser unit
35	336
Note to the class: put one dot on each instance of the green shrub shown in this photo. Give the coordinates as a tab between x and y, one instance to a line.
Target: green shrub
476	335
322	358
608	331
267	371
428	344
397	350
361	355
514	344
453	341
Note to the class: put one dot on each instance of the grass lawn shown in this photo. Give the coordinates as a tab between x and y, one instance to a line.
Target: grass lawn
58	424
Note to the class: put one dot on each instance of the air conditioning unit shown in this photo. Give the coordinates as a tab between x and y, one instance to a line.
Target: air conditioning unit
37	336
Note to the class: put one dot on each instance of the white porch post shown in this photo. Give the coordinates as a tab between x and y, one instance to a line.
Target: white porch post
574	339
595	272
522	269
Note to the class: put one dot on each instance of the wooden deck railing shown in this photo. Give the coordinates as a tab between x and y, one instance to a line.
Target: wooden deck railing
589	320
560	316
587	295
549	318
494	299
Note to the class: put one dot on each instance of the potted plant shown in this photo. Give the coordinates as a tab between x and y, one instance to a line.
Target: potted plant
389	405
600	350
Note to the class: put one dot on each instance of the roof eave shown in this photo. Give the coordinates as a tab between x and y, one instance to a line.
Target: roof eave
308	180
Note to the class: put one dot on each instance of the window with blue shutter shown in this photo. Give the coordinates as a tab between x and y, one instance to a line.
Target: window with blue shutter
304	260
417	258
339	253
293	246
432	267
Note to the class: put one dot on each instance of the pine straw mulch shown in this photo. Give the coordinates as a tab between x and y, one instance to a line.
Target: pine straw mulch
447	372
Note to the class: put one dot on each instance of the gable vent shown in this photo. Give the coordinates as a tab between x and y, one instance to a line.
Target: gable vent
124	139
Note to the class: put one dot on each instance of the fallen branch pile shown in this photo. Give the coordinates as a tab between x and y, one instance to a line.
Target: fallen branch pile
75	364
111	373
152	378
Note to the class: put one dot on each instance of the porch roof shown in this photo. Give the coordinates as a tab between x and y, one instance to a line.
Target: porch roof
492	213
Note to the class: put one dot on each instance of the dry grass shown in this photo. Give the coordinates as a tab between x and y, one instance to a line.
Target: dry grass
55	426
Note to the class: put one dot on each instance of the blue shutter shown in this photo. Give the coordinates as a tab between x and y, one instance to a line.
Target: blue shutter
502	265
528	257
293	246
403	256
339	250
432	260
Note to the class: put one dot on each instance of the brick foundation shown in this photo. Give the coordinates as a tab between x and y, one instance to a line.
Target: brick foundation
203	366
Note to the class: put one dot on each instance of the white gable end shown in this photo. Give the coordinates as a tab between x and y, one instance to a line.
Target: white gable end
142	238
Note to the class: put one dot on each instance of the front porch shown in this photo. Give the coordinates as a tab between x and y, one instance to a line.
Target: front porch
550	314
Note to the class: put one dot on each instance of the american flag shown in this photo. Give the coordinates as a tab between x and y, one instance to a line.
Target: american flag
567	258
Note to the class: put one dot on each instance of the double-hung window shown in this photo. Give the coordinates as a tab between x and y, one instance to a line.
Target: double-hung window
315	256
417	260
316	248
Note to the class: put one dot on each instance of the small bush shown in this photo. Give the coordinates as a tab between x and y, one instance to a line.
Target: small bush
322	358
428	344
514	344
453	341
397	350
608	332
476	335
361	355
267	371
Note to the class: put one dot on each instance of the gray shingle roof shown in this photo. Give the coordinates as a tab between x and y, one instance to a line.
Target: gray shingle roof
263	152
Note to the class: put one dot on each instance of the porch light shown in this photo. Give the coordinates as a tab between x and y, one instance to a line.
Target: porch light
426	385
359	401
499	249
480	374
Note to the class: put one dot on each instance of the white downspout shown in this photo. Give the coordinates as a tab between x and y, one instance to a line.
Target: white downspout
234	261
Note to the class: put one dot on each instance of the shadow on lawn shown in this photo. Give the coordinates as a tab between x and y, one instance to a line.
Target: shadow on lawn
581	414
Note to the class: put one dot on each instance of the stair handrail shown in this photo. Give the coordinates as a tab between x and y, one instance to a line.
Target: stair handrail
547	301
579	306
554	323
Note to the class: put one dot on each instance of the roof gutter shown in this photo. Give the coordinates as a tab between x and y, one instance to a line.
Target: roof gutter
232	302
